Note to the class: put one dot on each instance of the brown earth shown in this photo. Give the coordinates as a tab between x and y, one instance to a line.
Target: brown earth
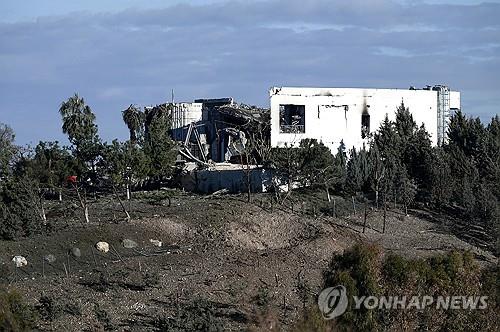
223	262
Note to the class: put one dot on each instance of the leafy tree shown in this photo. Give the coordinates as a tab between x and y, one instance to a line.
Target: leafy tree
358	171
49	166
18	213
440	179
159	146
405	125
134	119
124	163
405	188
7	149
340	166
310	164
78	120
79	124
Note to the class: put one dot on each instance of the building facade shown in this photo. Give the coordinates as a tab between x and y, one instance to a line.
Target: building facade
331	115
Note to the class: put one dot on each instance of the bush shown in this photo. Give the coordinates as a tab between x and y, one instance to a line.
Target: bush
17	213
15	315
364	272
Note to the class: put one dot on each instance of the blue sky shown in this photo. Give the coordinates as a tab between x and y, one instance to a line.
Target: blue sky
115	53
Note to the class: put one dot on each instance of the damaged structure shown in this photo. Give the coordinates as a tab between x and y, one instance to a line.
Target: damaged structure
331	115
220	145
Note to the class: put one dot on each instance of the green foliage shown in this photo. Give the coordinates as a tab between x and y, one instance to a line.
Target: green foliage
49	166
79	124
18	215
312	321
159	146
364	272
134	119
7	149
310	164
15	315
78	120
358	171
124	162
358	271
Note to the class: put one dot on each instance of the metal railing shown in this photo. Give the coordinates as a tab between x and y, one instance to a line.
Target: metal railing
292	129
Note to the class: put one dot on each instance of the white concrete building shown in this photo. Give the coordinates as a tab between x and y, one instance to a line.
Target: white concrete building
334	114
184	114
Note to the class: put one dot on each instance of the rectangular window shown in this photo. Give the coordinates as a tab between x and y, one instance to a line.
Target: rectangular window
365	124
292	119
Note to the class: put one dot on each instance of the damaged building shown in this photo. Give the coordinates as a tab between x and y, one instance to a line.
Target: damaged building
220	144
331	115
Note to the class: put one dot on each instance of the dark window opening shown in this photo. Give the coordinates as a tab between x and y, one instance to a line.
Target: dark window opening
292	119
365	125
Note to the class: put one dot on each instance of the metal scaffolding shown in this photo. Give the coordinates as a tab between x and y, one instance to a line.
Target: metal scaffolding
443	112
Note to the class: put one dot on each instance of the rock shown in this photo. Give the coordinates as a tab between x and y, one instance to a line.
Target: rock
76	252
102	246
49	258
156	243
20	261
129	244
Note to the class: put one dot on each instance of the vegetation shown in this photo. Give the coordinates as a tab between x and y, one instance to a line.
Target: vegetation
364	271
461	178
15	315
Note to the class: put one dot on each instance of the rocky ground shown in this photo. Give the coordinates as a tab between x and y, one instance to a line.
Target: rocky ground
223	262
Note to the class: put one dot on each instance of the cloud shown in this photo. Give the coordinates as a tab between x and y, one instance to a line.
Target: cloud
239	49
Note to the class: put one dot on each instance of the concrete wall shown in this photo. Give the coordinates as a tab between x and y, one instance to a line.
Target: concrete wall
332	115
185	113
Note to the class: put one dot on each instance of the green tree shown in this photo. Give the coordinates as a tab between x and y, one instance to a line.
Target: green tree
78	120
7	149
134	118
340	165
159	146
79	124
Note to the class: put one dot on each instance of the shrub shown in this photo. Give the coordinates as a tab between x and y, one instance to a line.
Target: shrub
15	315
363	272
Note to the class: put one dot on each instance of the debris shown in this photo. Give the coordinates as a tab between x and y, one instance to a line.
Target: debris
156	243
20	261
102	246
49	258
129	244
76	252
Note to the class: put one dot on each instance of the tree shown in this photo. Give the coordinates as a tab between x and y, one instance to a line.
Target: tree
134	119
441	182
358	171
78	120
340	166
378	171
79	124
124	163
406	188
7	149
404	125
159	146
18	215
308	164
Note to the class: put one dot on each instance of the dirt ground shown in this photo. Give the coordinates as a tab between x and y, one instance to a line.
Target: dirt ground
223	263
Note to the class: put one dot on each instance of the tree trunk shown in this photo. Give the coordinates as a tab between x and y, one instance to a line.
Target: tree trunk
328	194
128	192
86	211
353	205
42	212
60	195
364	223
385	217
121	203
